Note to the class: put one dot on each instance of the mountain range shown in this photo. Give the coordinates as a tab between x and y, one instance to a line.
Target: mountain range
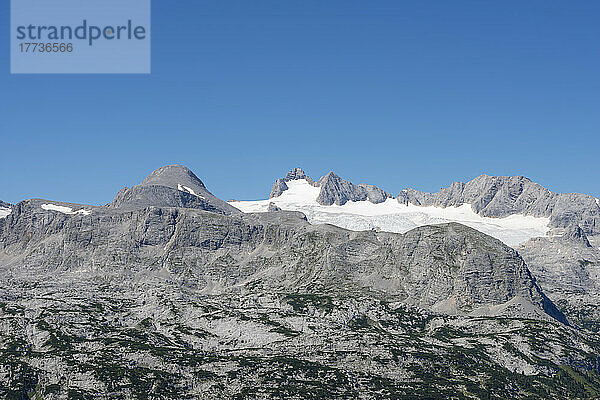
327	289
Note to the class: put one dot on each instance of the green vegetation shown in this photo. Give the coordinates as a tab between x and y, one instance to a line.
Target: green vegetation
347	346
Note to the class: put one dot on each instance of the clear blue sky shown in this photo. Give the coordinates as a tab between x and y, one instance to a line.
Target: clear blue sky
398	94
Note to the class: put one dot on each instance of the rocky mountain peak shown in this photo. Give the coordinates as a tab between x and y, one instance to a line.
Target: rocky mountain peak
335	190
171	186
173	176
294	174
330	178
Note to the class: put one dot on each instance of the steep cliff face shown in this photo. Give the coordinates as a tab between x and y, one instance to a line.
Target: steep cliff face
449	267
568	270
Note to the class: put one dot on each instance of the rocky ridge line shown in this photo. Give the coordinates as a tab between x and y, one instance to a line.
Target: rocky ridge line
501	196
334	190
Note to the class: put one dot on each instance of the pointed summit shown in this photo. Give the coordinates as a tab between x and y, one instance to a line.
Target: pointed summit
293	175
171	186
335	190
174	176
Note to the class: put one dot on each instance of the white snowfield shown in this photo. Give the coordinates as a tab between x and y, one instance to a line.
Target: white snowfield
64	210
392	216
4	212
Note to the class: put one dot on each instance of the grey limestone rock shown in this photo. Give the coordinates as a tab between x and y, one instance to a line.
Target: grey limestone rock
374	193
171	186
448	268
335	190
297	173
173	176
567	268
141	299
280	184
278	188
501	196
573	234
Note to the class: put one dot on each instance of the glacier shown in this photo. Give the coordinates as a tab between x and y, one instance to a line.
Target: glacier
391	216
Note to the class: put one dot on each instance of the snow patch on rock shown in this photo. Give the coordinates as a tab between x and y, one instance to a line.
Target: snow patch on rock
4	212
64	209
183	188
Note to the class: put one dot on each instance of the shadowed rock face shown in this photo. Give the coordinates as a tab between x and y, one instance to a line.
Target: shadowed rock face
574	235
501	196
171	186
278	188
4	204
568	270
